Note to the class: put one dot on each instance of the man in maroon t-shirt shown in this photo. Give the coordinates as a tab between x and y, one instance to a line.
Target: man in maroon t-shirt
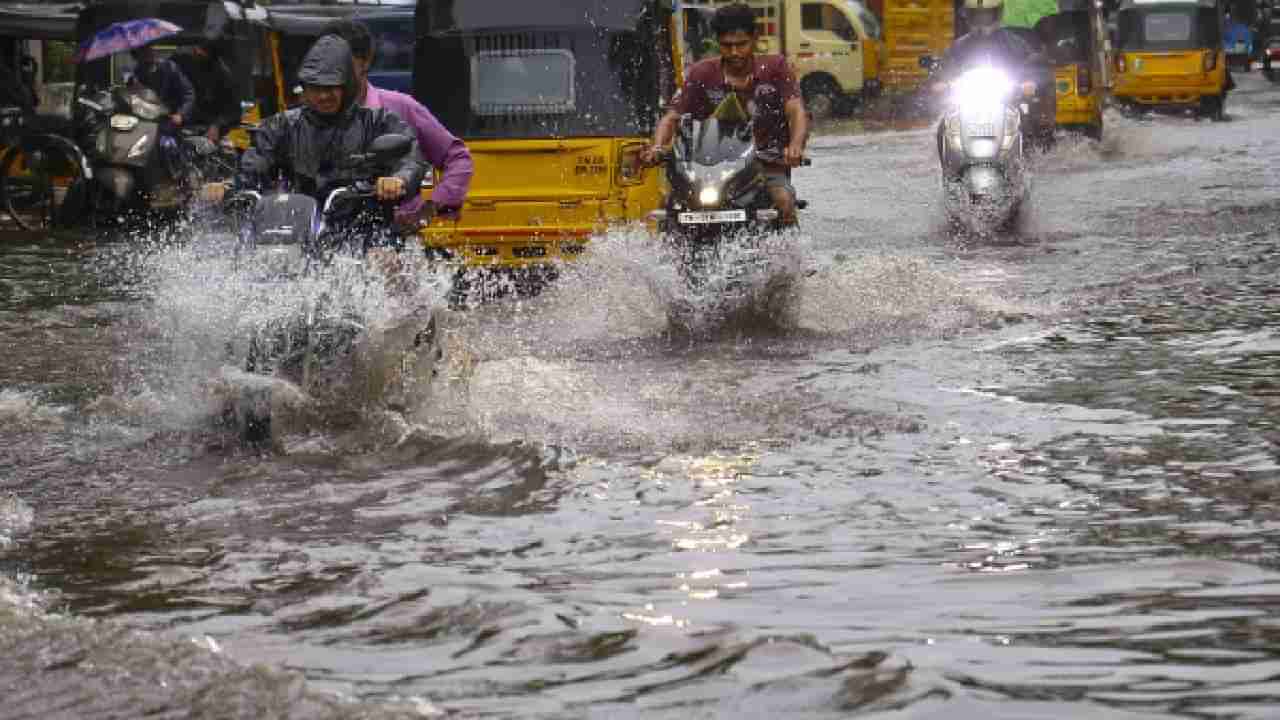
766	89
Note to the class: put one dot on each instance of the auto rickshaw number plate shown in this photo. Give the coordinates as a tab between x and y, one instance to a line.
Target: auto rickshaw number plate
124	123
717	216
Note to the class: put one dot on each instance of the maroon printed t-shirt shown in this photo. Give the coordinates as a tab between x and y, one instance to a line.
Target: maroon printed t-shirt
771	85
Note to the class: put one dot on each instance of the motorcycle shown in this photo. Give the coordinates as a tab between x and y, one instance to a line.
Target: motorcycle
721	227
718	195
313	262
980	148
138	162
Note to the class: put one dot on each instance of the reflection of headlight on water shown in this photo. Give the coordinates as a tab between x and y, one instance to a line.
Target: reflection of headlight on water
709	196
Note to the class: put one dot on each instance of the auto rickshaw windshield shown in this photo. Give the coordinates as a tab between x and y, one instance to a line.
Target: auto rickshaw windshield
1170	27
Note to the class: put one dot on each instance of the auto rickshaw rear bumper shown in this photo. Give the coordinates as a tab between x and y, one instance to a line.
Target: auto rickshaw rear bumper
505	247
1176	90
1077	110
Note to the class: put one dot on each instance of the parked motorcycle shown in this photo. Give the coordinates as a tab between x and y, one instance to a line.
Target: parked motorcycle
980	149
139	162
318	260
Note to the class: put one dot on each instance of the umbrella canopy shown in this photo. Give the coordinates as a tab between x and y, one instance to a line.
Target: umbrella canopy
122	36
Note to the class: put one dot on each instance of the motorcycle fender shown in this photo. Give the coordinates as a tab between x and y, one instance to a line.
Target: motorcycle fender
984	180
145	136
70	149
285	219
120	182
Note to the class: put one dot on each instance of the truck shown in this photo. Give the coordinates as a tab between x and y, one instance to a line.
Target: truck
913	29
834	46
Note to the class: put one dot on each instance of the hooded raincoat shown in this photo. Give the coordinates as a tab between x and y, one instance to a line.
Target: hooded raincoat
309	149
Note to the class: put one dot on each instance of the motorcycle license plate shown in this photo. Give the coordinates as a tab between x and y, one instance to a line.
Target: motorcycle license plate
717	216
984	130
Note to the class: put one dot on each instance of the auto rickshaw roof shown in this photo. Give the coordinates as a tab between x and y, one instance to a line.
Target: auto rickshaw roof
448	16
309	20
39	21
200	20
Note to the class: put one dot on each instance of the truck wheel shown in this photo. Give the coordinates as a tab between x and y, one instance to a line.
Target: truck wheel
821	97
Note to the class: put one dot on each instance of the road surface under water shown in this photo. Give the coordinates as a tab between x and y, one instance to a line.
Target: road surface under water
926	477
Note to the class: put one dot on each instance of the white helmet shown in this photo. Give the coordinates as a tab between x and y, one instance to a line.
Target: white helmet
983	16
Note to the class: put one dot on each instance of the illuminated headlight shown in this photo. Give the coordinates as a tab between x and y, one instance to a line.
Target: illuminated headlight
139	147
146	110
982	86
709	196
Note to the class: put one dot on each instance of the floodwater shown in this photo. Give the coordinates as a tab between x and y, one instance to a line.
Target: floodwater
917	476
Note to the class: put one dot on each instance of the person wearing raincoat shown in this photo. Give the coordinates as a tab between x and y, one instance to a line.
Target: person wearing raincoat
307	144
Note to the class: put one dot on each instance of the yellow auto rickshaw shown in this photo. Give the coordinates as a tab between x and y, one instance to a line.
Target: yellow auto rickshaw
1169	54
1071	41
555	99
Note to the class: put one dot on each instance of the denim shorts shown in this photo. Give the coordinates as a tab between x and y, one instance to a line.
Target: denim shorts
779	179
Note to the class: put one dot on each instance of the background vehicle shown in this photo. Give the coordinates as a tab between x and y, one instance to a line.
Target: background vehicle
834	45
1072	43
240	26
1271	59
39	160
555	99
984	182
1169	54
1238	42
914	29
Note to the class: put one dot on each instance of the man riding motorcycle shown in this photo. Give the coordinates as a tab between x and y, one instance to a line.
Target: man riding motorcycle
307	144
987	43
764	87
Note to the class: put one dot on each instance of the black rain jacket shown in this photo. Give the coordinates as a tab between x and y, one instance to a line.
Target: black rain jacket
1001	49
216	101
309	149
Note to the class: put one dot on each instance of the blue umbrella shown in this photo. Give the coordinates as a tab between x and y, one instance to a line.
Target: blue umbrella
122	36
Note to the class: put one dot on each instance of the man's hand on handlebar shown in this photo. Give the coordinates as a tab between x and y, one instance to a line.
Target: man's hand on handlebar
213	193
389	188
652	155
793	155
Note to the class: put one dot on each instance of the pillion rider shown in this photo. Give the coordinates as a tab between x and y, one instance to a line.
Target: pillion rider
766	89
307	144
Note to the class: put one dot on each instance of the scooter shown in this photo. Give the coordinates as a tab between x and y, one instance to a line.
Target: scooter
980	149
138	163
319	257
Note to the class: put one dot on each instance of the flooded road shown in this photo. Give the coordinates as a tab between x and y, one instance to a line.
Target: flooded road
930	478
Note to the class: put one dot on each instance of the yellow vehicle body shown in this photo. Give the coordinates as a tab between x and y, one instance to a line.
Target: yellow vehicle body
1169	53
1076	109
913	29
1170	78
537	201
553	169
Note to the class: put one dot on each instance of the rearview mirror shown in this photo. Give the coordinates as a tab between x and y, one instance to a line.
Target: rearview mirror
387	148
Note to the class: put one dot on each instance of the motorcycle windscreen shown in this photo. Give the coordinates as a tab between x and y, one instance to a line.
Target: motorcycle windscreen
285	219
712	142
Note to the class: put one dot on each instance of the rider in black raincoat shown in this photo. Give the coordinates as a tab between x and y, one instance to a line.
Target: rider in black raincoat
308	144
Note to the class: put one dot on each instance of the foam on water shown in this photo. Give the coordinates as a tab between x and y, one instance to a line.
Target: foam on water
21	410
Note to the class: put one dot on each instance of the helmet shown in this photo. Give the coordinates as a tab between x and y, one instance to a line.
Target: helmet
983	16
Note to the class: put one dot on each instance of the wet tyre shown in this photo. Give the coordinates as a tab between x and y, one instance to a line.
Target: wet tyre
34	180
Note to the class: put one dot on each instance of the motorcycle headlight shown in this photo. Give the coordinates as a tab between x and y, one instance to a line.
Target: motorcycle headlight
146	110
709	196
982	86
